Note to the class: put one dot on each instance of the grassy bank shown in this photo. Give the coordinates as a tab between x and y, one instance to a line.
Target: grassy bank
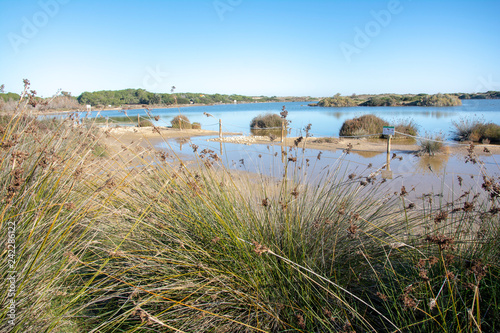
170	248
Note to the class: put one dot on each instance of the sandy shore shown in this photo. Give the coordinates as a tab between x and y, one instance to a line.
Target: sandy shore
149	137
357	145
133	146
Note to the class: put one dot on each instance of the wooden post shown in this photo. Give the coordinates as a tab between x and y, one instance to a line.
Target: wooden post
221	151
180	125
138	121
389	152
107	118
220	129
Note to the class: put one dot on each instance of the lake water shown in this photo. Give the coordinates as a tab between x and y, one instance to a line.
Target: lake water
426	173
325	121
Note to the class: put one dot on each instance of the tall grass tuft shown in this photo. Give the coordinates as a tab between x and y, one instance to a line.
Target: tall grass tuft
50	204
371	124
477	130
364	125
406	126
166	247
181	121
431	144
268	120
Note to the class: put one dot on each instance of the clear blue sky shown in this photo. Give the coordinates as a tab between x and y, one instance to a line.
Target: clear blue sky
251	47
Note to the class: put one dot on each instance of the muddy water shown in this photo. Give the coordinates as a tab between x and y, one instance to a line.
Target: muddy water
436	174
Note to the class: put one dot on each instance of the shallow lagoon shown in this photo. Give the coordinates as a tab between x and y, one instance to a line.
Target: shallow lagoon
325	121
426	173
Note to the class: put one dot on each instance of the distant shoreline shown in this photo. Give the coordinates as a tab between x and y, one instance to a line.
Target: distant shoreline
154	107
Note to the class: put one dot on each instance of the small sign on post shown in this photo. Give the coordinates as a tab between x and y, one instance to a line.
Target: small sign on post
388	130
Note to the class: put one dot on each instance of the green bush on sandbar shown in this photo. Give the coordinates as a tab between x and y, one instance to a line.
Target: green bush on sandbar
181	121
268	120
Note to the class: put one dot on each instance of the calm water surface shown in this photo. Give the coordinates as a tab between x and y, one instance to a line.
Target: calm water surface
326	121
426	173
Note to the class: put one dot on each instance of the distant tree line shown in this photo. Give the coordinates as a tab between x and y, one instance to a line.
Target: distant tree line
141	96
390	100
130	97
486	95
6	97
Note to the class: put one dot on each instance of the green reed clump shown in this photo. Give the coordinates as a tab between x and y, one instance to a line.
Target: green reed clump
364	125
200	252
48	206
431	144
114	120
181	121
445	279
477	130
145	123
208	251
406	126
167	247
268	120
371	124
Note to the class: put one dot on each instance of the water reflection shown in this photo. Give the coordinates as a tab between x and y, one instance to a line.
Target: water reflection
181	142
432	164
420	112
366	154
272	133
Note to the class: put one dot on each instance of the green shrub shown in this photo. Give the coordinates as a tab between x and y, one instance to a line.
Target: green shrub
491	132
431	144
182	121
364	125
437	100
114	120
407	127
477	130
338	101
145	123
196	125
268	120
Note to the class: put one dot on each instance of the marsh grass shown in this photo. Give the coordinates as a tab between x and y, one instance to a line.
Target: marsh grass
476	130
267	121
364	125
145	123
113	120
168	247
181	121
48	206
370	124
431	144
